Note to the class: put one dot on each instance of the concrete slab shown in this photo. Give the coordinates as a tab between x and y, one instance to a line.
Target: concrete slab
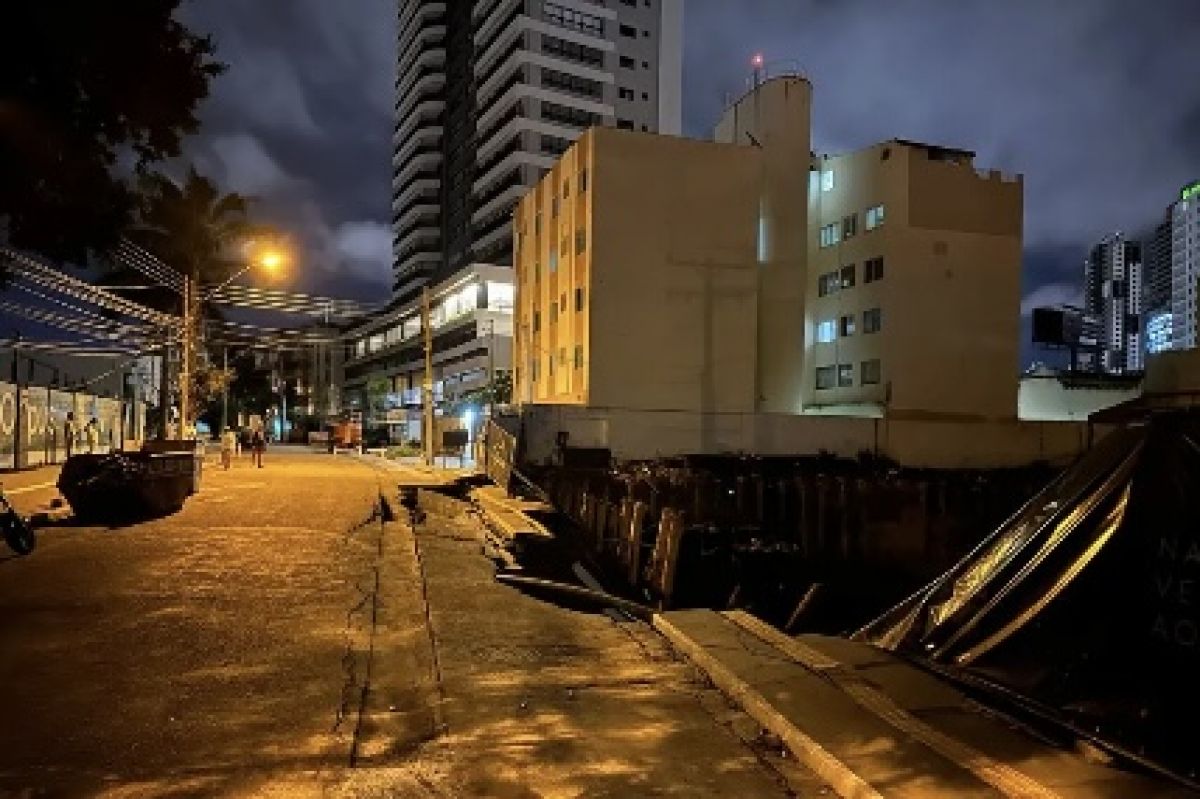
873	724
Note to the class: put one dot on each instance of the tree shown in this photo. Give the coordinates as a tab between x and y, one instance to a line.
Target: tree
88	90
191	226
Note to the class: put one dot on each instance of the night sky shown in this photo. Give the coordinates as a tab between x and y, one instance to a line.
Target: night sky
1096	102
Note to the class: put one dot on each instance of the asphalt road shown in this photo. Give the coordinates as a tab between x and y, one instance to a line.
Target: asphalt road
279	637
201	655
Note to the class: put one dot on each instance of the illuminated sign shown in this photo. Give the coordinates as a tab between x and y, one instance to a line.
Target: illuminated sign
1191	190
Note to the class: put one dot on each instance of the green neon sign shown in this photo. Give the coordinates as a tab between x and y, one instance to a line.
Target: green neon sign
1191	190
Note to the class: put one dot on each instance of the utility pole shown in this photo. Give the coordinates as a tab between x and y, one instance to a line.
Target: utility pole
224	388
16	380
427	386
185	367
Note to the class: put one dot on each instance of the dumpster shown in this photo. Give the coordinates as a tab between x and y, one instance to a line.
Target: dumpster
130	486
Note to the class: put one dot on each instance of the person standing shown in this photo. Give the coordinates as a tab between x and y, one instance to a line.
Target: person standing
91	434
69	433
228	447
258	445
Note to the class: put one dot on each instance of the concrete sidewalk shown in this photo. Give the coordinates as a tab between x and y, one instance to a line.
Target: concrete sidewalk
873	725
531	698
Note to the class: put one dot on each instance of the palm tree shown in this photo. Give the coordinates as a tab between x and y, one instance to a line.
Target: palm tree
195	230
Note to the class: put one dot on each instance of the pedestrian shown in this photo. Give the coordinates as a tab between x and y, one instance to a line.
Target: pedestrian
69	433
228	447
258	444
91	434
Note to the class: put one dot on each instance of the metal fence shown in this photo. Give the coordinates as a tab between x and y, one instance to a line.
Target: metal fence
43	423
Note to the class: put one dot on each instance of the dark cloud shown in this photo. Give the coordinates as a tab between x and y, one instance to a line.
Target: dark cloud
302	121
1096	102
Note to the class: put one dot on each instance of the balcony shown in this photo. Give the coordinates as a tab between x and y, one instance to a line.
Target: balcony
427	82
426	140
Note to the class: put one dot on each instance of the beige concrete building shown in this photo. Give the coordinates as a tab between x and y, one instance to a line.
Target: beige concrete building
746	275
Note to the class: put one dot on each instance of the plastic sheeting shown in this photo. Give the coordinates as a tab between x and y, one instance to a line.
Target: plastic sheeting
1084	604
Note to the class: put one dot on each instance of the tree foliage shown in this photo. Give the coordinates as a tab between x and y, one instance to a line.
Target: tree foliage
191	226
90	90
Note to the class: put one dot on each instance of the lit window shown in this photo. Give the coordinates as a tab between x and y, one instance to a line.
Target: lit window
845	375
874	217
846	325
826	331
825	376
831	234
827	180
553	261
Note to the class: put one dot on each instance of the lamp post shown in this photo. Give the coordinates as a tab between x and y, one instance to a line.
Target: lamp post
271	260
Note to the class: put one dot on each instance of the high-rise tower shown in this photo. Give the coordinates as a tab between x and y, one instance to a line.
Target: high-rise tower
489	93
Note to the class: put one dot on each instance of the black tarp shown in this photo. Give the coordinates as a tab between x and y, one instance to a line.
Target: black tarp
1084	605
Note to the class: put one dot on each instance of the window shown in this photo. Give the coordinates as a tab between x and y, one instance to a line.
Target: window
553	260
579	299
872	270
845	375
583	181
848	276
566	188
534	363
554	208
628	63
830	234
537	320
550	358
574	84
849	226
565	245
872	320
578	356
572	51
580	241
827	180
874	217
562	355
629	31
537	223
870	372
562	302
645	95
625	94
567	115
577	20
625	124
645	65
630	2
826	331
846	325
553	312
825	377
828	283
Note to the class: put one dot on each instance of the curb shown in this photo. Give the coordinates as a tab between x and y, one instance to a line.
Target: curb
819	760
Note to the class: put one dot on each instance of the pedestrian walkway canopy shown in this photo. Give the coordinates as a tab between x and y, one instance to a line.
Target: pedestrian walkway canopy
1083	607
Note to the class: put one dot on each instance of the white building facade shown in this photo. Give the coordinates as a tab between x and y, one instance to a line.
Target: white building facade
490	93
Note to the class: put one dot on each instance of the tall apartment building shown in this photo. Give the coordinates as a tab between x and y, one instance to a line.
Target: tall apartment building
1112	291
1185	266
489	93
745	276
1156	300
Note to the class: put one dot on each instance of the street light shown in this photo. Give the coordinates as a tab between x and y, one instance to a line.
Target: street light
271	258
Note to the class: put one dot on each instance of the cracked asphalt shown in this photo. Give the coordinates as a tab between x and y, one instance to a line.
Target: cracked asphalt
279	637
